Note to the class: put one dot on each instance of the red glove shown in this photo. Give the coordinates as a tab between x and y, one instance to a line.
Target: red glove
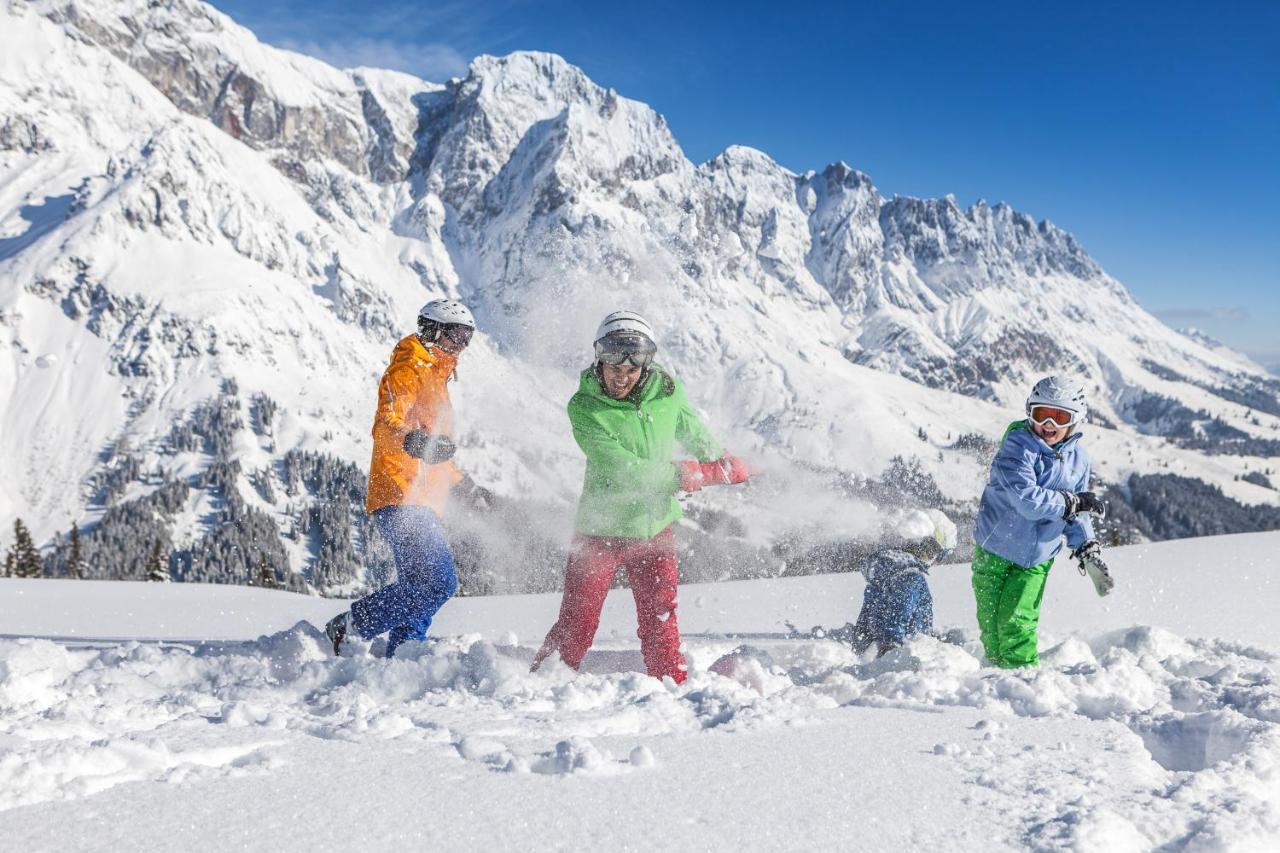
691	476
726	471
734	470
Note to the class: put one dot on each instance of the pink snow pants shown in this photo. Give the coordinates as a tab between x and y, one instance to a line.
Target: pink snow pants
652	570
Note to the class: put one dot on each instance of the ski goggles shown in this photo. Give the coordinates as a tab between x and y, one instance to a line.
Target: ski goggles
1041	415
458	333
636	351
615	359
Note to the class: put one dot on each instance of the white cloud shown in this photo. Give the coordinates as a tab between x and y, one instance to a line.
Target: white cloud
1267	356
432	61
1225	314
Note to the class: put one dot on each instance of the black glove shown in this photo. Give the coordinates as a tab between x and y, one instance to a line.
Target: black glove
432	449
1089	556
1078	502
473	494
1088	549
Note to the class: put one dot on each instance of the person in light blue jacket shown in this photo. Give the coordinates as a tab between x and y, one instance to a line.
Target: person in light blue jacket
1038	491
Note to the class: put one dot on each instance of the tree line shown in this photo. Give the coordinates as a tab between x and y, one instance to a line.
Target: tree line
312	503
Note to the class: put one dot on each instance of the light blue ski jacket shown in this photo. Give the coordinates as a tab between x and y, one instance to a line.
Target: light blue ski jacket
1020	516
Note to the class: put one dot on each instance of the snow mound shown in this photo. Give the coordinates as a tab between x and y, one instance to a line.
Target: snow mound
752	668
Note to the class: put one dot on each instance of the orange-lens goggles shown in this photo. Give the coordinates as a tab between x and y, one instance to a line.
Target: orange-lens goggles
1044	414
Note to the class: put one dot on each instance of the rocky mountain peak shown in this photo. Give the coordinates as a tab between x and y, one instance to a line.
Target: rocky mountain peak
936	233
296	107
527	109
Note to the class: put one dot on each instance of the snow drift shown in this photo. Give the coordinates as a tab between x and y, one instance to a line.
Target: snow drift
1154	722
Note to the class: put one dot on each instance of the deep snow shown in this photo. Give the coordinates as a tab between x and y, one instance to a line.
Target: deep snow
1154	721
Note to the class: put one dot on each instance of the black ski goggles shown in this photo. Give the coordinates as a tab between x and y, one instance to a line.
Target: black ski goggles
459	334
637	351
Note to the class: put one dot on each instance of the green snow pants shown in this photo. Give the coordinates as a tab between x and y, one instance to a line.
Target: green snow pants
1008	597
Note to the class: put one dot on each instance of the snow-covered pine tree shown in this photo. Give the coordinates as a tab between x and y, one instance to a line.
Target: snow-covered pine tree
9	563
266	576
25	556
75	557
157	565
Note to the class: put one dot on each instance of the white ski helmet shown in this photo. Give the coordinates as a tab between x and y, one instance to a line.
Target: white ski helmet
919	524
446	312
915	524
944	530
1061	392
624	321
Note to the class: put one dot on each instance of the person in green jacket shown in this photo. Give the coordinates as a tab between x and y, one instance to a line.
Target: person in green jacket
627	416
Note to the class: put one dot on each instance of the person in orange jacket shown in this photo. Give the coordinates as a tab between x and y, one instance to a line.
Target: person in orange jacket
410	478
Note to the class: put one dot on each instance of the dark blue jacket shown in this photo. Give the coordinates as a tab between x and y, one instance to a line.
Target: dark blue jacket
896	603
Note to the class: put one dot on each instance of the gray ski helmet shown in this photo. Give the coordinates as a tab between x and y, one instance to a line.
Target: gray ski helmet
446	312
624	321
1061	392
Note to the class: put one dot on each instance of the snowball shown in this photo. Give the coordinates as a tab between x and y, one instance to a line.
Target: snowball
641	756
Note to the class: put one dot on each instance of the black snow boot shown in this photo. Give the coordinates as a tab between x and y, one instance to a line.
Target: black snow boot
336	630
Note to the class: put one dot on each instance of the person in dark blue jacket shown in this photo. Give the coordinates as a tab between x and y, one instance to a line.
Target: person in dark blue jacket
897	603
1037	493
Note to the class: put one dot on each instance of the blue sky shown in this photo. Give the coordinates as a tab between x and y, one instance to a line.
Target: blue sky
1149	131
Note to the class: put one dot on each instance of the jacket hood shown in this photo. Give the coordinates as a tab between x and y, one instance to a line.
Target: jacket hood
657	384
411	349
888	563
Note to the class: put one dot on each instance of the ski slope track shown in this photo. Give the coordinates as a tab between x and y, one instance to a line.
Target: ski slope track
1153	723
185	210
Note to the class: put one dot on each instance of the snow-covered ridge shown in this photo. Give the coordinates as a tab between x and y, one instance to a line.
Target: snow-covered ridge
181	205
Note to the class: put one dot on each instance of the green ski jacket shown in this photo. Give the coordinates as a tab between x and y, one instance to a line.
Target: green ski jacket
630	485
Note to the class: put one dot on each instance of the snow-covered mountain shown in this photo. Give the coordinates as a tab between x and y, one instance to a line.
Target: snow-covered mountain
189	216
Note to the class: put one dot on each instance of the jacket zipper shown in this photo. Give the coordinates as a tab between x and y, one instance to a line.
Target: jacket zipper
646	432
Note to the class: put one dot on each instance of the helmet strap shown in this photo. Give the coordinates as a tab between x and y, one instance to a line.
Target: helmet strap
428	332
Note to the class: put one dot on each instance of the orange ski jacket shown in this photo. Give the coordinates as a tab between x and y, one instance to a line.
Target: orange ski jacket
413	394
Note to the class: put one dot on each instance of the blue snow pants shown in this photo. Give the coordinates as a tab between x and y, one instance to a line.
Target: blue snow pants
895	609
425	578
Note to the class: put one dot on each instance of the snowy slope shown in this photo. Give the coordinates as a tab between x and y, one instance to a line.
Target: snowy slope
1152	724
181	205
1239	569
